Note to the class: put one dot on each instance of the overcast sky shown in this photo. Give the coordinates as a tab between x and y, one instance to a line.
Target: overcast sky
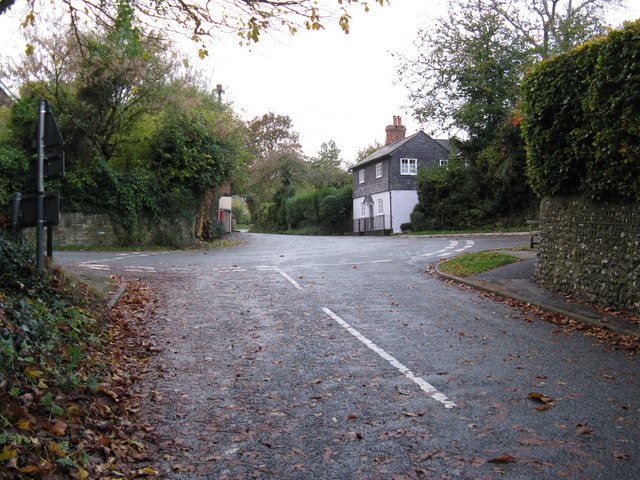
333	86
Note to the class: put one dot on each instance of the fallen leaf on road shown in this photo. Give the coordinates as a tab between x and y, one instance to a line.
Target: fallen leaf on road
621	456
506	458
583	429
327	454
540	397
413	414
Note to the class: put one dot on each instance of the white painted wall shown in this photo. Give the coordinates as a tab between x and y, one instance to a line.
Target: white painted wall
356	207
402	202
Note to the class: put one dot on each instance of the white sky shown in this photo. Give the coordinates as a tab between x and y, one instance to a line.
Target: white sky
333	86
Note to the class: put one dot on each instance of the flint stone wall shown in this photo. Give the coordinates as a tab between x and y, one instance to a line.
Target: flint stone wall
591	250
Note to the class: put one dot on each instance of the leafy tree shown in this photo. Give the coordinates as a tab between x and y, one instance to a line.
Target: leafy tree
325	169
272	133
144	142
189	153
468	68
100	84
364	153
278	169
469	63
328	156
467	77
550	27
247	18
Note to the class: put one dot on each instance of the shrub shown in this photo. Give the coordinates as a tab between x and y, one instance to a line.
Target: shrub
406	227
335	210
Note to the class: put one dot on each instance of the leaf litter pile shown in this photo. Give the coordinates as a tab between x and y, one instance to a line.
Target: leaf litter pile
67	406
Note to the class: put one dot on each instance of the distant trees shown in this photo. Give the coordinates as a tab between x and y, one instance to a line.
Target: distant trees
466	78
280	171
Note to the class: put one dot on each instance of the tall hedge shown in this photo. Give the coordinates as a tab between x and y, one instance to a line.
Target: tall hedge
324	210
581	119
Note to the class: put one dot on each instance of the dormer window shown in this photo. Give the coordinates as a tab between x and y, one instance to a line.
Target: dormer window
408	166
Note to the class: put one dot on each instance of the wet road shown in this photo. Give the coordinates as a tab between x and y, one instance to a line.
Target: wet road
342	358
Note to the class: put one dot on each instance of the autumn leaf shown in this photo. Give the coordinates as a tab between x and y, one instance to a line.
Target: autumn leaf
59	428
621	456
29	469
327	454
506	458
8	452
56	449
583	429
31	371
539	397
24	425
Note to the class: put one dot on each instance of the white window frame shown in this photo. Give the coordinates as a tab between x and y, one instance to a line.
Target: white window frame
361	176
443	162
408	166
380	206
378	170
363	210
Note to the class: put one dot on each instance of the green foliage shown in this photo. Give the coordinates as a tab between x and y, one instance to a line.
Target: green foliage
240	212
320	211
188	154
14	167
492	191
141	144
303	209
447	198
581	112
36	315
335	210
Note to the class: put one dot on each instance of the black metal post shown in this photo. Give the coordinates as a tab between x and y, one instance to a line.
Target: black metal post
49	241
42	111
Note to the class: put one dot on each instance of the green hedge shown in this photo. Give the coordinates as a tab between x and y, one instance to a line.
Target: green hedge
323	210
581	119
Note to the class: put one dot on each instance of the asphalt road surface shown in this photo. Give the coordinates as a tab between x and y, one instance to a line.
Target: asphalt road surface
344	358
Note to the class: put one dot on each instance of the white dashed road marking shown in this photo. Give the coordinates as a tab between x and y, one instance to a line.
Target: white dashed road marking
426	387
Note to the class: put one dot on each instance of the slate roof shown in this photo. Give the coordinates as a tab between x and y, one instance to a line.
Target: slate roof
392	147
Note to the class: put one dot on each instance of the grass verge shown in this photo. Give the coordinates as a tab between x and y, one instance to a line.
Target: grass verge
472	263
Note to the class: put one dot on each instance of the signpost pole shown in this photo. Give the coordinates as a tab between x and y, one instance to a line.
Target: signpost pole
42	111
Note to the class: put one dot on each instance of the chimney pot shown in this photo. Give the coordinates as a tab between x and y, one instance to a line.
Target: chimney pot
396	131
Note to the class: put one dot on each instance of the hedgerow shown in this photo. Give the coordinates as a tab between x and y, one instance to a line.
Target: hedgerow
581	119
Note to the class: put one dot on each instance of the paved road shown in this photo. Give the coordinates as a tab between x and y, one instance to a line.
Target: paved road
342	358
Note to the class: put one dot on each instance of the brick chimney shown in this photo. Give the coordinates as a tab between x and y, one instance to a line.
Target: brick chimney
397	131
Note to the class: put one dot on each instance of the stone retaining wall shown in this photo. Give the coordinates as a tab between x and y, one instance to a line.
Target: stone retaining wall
84	230
591	250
